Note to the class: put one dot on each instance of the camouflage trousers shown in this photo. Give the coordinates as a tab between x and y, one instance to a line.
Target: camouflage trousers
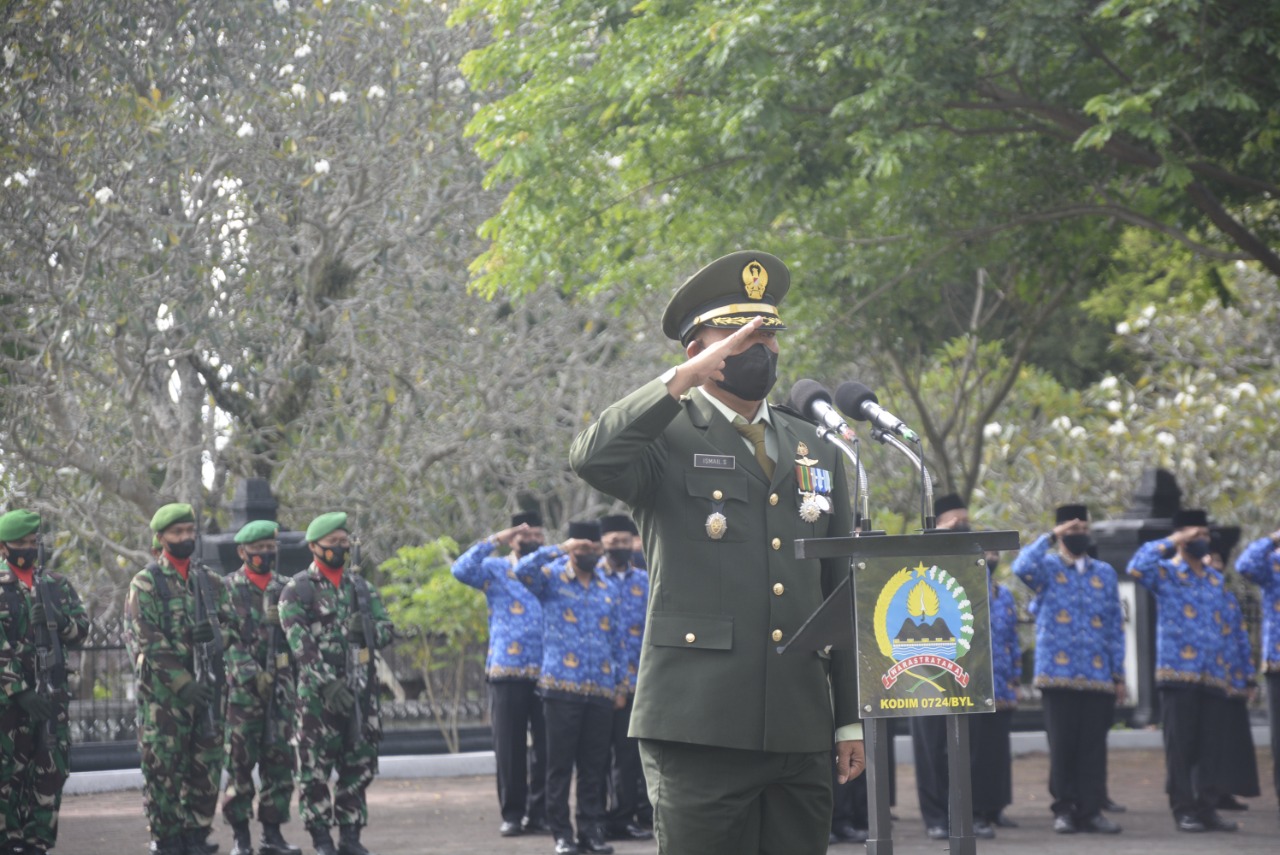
31	780
322	749
181	766
247	747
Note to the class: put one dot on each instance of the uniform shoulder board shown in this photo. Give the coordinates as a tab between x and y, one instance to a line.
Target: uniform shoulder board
786	409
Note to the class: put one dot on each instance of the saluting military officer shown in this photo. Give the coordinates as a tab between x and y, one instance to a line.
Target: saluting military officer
334	621
35	733
179	718
1260	564
735	740
262	697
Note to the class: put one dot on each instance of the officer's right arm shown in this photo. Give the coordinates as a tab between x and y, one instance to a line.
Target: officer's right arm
242	667
469	568
1145	564
1260	562
622	453
530	569
161	659
1031	564
11	679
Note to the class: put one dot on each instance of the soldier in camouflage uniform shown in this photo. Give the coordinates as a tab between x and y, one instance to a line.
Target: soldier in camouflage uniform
33	761
179	721
262	696
332	619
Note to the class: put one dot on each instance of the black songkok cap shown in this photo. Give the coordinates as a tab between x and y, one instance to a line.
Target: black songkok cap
617	522
1223	540
530	518
949	502
585	530
1188	517
1072	512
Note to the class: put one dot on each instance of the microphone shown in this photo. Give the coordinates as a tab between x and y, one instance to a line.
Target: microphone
861	404
812	399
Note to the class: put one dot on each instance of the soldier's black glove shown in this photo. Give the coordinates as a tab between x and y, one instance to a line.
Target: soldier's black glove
38	614
337	697
202	632
355	629
35	705
195	694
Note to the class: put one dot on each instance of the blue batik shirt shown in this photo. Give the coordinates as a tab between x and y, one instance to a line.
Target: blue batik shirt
1006	652
1190	609
1241	673
583	655
1079	626
1260	564
515	615
632	587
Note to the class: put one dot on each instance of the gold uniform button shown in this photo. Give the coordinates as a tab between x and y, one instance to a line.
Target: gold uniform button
778	589
717	495
777	543
777	635
773	498
690	638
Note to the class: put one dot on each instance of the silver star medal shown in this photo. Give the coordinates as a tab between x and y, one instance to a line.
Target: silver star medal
812	506
717	525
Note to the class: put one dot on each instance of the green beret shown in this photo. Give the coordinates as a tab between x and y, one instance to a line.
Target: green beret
325	524
178	512
729	292
16	525
257	530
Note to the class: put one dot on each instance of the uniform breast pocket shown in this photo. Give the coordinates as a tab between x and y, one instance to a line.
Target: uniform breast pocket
716	503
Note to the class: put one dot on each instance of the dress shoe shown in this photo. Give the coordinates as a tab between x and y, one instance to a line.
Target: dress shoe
1188	822
983	829
1230	802
510	829
846	832
533	825
630	831
1064	824
1002	821
566	846
592	840
1099	824
1113	807
936	832
273	842
1213	822
349	841
176	845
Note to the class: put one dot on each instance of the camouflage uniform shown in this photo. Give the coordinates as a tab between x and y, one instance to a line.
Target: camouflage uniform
31	780
181	755
247	744
315	623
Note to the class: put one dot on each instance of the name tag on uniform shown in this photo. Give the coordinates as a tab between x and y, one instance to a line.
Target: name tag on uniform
714	461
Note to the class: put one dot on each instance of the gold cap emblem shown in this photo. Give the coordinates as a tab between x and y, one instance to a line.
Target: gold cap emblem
755	278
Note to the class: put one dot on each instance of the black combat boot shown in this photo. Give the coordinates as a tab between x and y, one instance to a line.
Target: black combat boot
349	841
273	843
322	840
243	842
198	841
176	845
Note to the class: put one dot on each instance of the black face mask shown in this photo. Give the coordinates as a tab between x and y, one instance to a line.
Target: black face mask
527	547
585	563
618	557
333	556
24	557
750	374
181	549
1197	548
261	562
1076	544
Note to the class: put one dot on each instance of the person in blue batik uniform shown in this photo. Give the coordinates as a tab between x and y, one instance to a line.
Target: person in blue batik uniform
511	667
990	758
1079	665
1260	564
584	679
1191	671
629	809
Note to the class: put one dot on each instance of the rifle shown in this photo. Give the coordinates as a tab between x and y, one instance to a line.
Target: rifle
273	668
360	664
50	657
208	654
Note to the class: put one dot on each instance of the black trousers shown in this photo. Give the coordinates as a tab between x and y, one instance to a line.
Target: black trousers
1231	740
1192	769
1076	724
1273	703
578	732
991	763
929	744
627	800
519	749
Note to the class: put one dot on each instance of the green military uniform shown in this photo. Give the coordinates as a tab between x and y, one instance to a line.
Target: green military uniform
261	700
35	737
317	619
180	742
722	718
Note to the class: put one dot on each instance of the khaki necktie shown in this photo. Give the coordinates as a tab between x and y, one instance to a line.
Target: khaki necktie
755	433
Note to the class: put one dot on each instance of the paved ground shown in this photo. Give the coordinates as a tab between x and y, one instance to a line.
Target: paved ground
457	816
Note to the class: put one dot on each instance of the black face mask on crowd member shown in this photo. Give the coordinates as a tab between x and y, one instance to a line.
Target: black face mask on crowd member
585	563
526	547
619	557
1076	544
181	549
23	557
334	556
261	562
1197	548
750	374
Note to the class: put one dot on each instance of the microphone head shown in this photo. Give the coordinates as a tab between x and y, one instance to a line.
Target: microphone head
851	396
805	392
